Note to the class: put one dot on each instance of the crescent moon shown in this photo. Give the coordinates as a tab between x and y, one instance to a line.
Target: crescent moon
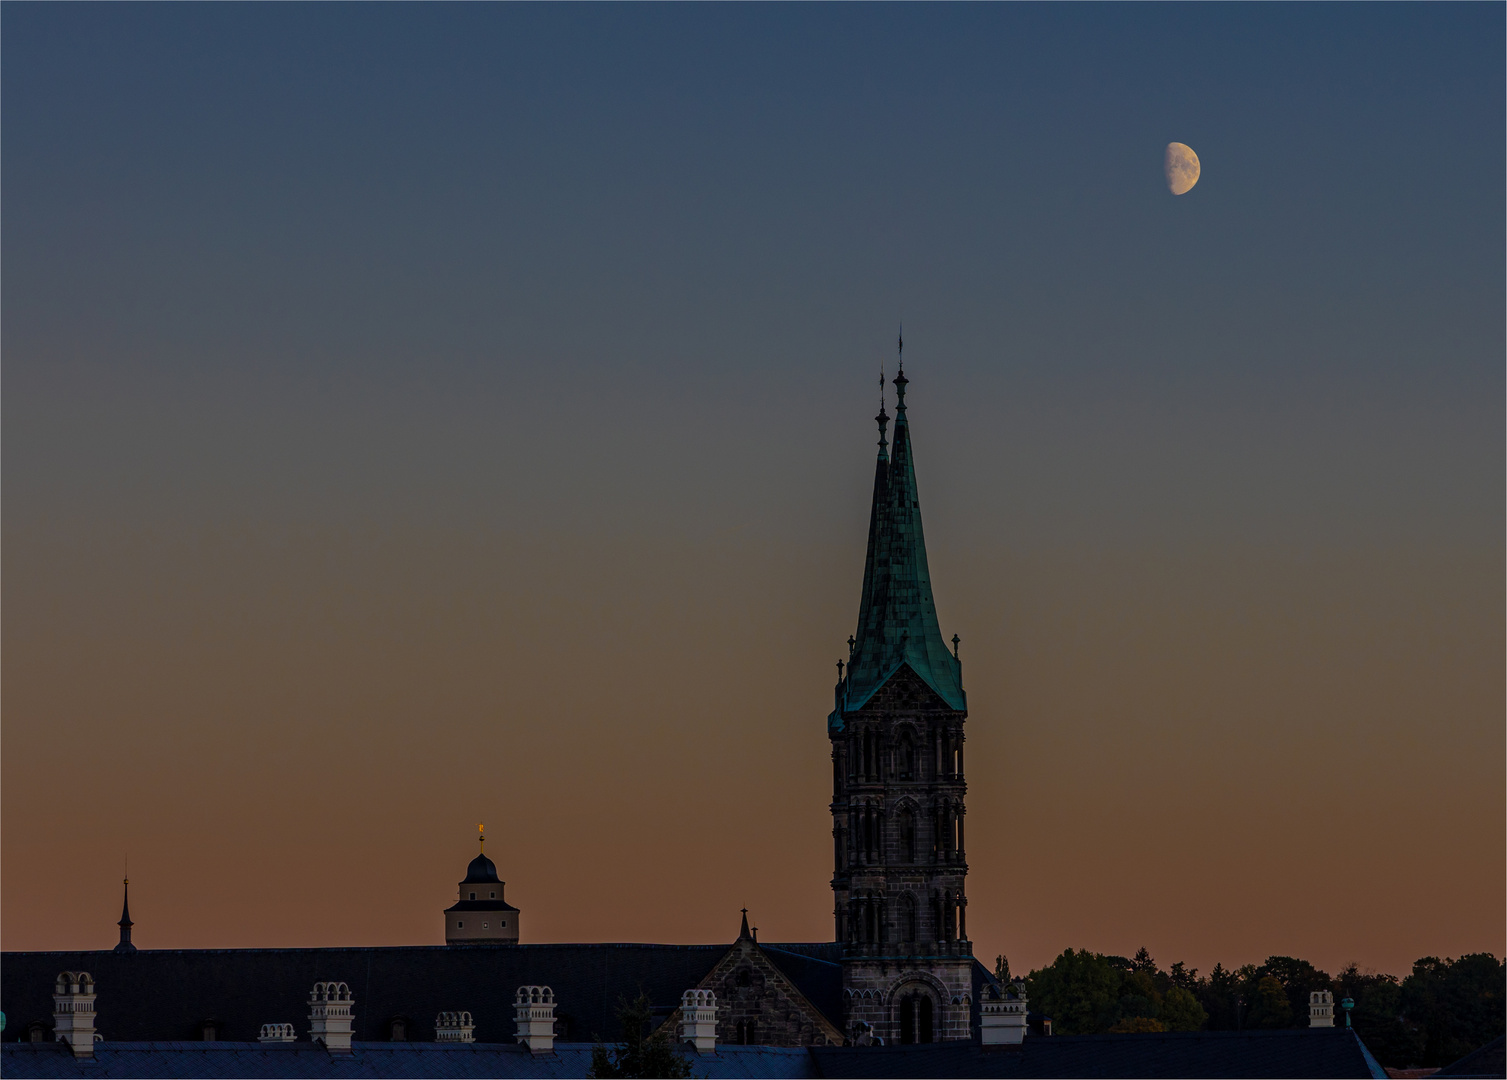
1182	168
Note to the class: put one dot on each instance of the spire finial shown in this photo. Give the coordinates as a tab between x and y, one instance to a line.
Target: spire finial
125	923
481	837
743	930
900	380
955	640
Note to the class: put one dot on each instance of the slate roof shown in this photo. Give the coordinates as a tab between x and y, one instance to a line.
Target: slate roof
897	615
1489	1060
1315	1052
160	994
481	871
213	1060
1331	1052
817	973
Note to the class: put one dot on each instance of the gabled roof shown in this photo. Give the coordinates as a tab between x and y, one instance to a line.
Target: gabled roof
897	615
801	979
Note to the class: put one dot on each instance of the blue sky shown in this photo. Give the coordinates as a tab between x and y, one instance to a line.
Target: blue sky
595	297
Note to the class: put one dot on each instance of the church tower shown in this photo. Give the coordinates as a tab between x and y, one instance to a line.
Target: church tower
897	783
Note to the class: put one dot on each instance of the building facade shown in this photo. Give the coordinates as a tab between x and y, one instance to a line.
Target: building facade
897	783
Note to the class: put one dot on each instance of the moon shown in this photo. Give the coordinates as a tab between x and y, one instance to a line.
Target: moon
1182	168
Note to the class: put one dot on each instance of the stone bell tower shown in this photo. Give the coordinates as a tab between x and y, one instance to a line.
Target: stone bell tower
897	784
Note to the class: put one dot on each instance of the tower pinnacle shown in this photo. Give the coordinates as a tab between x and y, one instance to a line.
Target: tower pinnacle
125	923
897	616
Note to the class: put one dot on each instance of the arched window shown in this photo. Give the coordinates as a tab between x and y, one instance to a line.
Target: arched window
909	912
907	1020
907	757
923	1021
869	769
745	977
907	836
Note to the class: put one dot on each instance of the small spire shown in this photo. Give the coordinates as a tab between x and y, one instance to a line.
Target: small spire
125	923
743	930
955	640
839	671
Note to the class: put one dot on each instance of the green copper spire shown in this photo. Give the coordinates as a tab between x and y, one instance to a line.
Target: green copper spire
897	617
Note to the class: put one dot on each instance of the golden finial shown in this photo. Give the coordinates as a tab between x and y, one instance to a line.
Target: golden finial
481	836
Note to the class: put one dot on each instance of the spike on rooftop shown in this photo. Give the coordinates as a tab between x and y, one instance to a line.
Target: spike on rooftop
897	615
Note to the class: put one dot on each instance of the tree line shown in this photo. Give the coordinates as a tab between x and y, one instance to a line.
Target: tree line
1439	1013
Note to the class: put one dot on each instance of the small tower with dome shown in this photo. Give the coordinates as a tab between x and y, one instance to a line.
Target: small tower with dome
481	916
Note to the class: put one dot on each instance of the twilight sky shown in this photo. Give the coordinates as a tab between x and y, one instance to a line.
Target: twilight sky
417	416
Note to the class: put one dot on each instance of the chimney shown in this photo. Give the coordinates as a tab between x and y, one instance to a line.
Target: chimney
73	1012
534	1010
698	1020
276	1033
1003	1019
454	1027
1320	1009
330	1006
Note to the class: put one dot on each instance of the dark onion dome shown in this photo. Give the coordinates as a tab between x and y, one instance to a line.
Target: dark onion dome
482	869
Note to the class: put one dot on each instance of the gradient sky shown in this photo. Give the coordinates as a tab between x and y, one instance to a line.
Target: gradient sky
424	415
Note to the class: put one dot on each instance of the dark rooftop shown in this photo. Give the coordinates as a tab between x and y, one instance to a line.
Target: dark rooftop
200	1059
1490	1060
481	870
162	994
1294	1053
1302	1052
